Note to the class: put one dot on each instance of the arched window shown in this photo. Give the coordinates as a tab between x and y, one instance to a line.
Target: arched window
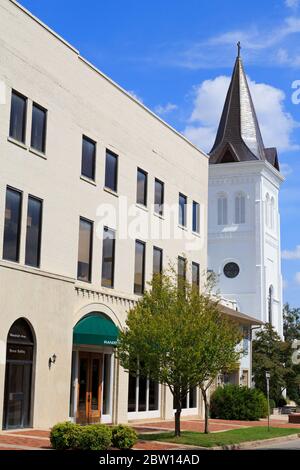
267	210
222	209
270	304
272	213
240	208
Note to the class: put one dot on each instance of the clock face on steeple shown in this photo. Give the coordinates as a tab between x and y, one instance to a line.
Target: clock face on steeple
231	270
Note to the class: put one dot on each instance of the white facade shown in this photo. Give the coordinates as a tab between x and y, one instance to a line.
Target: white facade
254	244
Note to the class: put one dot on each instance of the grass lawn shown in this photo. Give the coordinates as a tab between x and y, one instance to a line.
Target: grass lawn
234	436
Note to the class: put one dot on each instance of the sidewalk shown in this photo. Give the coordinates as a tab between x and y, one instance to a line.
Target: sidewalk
37	439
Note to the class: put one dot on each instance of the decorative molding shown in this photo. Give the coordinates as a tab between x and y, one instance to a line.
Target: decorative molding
101	296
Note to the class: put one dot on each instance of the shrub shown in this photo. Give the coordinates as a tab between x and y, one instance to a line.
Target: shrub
94	437
123	437
64	435
240	403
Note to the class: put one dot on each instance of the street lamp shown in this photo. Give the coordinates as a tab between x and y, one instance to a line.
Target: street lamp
268	375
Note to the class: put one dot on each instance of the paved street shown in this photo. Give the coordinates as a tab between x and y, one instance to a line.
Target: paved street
285	445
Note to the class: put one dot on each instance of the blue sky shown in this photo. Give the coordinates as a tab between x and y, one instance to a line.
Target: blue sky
176	56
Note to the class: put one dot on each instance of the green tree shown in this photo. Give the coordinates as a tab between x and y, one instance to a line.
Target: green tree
291	331
269	353
179	338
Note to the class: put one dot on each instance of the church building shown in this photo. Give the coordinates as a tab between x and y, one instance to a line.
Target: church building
244	221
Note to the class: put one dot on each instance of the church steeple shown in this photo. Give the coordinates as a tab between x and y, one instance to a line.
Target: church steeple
239	138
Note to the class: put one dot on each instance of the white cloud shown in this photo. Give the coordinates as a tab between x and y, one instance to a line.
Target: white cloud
292	4
291	254
297	278
285	284
166	109
275	123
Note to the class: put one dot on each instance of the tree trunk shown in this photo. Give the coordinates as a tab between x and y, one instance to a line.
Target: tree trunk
177	414
177	422
206	406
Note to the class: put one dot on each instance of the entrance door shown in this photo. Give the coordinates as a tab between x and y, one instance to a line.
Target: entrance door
18	381
18	376
89	387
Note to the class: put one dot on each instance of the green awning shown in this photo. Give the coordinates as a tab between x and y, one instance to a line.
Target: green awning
96	329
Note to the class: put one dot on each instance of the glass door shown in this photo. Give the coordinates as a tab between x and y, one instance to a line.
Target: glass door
17	400
89	387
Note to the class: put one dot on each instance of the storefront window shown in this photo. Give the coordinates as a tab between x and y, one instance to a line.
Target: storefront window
106	384
190	400
143	394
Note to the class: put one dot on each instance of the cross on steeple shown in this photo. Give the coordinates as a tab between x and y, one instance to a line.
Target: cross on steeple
239	48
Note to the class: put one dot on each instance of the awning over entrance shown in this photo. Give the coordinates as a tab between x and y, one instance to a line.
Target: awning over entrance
96	329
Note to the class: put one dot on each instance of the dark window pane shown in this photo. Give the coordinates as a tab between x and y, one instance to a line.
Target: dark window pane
18	117
196	217
195	275
184	402
157	260
139	271
95	384
153	395
142	393
132	393
111	170
108	257
141	191
159	197
88	158
181	269
182	210
83	379
193	398
12	225
85	250
34	230
38	128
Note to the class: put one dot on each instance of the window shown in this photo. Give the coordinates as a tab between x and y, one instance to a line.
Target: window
190	400
84	269
34	232
157	260
111	171
222	210
270	304
141	191
196	217
272	213
12	225
267	210
158	197
38	128
108	257
88	159
139	269
240	209
17	127
182	210
231	270
196	275
143	394
181	270
106	396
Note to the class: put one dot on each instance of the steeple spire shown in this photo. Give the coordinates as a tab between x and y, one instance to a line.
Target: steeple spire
238	137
